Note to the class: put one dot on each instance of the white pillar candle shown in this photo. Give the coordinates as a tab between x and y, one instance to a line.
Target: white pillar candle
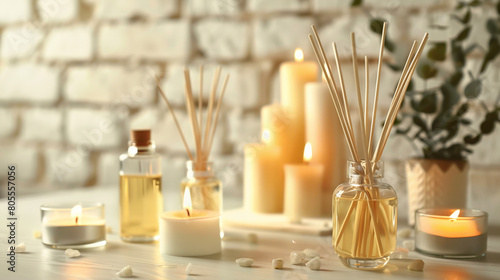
263	178
189	232
293	76
325	134
303	188
75	225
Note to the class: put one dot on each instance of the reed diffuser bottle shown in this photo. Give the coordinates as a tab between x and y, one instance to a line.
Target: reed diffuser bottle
141	201
205	189
364	218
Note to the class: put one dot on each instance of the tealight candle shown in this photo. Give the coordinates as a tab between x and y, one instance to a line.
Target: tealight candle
73	225
189	232
303	188
460	233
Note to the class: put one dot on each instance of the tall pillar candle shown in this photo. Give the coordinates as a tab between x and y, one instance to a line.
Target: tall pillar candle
263	178
293	77
324	132
303	188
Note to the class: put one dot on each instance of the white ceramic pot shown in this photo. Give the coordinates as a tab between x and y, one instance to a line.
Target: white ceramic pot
436	184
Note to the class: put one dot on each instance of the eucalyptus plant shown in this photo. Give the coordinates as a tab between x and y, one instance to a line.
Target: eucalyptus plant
435	120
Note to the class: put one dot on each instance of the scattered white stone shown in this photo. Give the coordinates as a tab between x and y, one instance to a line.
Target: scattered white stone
109	229
405	233
125	272
245	262
278	263
253	238
37	234
311	253
20	248
400	253
189	268
409	244
70	253
314	264
417	265
297	257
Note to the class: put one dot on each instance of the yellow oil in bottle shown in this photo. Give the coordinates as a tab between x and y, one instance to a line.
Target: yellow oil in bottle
364	229
141	204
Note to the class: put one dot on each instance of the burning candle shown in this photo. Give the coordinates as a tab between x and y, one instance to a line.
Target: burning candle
461	234
190	232
263	176
75	225
293	76
303	188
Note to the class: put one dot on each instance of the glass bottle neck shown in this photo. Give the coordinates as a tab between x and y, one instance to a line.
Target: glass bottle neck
134	150
365	172
201	169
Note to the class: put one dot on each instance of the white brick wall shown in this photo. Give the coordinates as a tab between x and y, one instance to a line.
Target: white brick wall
75	76
69	43
161	41
29	83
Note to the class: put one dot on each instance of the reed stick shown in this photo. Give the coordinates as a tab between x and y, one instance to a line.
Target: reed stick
175	119
377	88
215	81
192	115
217	111
367	94
200	100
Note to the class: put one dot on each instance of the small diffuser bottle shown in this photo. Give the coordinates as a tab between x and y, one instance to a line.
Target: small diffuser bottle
204	187
364	218
141	201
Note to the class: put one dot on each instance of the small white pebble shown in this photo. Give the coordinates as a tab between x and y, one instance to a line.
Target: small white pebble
70	253
297	257
189	268
311	253
21	248
126	272
417	265
37	234
253	238
409	244
278	263
244	262
314	264
400	253
109	229
405	233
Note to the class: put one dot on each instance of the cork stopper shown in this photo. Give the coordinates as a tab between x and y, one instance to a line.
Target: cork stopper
141	138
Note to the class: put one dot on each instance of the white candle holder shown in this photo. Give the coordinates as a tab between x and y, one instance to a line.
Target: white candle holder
439	234
73	225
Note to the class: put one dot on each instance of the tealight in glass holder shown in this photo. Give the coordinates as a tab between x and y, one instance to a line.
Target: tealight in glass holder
364	217
204	187
451	233
73	225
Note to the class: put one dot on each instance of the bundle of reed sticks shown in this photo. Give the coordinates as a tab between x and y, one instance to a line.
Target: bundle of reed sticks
203	137
364	197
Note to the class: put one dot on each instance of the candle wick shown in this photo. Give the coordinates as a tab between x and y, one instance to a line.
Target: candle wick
76	220
189	214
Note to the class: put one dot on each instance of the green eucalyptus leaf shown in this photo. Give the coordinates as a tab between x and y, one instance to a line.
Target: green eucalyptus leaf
460	5
493	51
389	45
426	71
452	129
418	121
474	3
497	6
466	17
428	104
466	121
492	26
472	140
487	126
376	25
456	78
450	97
462	109
491	116
437	52
473	89
355	3
463	34
439	122
458	55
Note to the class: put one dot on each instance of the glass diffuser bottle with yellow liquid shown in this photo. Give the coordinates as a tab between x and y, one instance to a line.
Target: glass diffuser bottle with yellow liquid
141	201
364	218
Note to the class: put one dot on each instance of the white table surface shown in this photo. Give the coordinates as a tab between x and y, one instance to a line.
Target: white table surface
40	262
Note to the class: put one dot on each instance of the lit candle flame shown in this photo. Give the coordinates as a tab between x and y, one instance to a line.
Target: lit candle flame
299	55
76	213
307	152
266	136
187	204
455	214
